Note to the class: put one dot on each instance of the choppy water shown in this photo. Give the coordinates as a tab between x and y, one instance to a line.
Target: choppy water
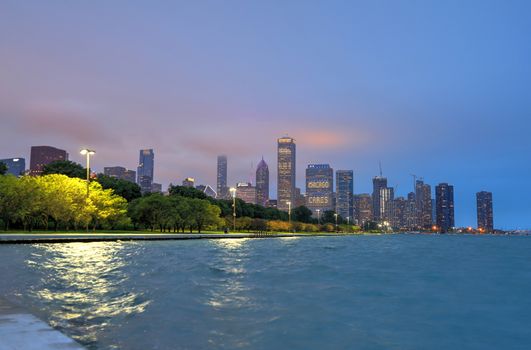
376	292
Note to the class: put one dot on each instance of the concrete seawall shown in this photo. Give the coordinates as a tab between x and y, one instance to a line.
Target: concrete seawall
20	330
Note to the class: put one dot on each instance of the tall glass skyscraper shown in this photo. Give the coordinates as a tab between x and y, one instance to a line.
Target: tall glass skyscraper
15	166
344	193
286	172
319	187
146	165
485	212
262	183
444	200
423	203
378	183
222	188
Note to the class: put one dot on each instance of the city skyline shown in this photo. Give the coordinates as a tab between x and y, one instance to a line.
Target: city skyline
442	108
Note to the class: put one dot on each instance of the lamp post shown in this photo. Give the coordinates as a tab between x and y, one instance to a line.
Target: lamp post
335	216
318	216
289	214
233	193
88	153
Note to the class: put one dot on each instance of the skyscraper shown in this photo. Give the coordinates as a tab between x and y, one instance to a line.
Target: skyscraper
387	197
222	188
378	182
411	211
262	183
344	192
399	219
485	212
246	192
15	166
146	165
286	172
319	187
44	155
362	208
444	199
423	203
188	182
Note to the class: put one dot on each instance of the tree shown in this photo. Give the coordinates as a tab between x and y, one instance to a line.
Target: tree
65	167
203	213
123	188
185	191
302	214
3	168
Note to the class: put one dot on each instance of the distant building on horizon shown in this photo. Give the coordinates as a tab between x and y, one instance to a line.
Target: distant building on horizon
444	200
156	188
399	219
262	183
378	183
410	212
121	173
221	186
344	193
423	202
15	166
208	190
188	182
484	211
387	197
319	187
286	174
44	155
300	198
145	170
246	192
362	204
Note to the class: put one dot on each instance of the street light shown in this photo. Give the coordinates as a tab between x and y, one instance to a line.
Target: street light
233	193
289	214
318	216
88	153
335	215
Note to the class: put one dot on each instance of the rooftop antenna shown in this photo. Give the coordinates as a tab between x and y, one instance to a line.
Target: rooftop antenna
380	164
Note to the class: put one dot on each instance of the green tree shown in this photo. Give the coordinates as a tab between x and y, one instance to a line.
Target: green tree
3	168
302	214
10	200
123	188
185	191
203	213
65	167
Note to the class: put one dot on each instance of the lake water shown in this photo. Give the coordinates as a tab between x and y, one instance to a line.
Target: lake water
370	292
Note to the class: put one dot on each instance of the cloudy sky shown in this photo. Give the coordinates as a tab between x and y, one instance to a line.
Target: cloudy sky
440	89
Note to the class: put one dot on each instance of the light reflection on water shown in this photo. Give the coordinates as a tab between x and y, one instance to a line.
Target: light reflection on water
81	282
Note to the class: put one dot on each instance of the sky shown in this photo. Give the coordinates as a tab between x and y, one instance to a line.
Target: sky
439	89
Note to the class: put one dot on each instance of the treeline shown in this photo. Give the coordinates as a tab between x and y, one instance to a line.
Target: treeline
58	199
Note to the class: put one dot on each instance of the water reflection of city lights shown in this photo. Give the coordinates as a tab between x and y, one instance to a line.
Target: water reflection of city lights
231	243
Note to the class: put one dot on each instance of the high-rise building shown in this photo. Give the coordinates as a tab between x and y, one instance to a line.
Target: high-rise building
286	175
300	198
246	192
189	182
44	155
411	212
387	196
485	212
444	199
222	189
344	193
319	187
15	166
423	202
156	188
399	220
207	189
262	183
145	170
362	208
378	182
120	172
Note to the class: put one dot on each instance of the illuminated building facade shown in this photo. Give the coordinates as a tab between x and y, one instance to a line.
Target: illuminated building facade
319	187
188	182
15	166
424	205
444	200
145	170
246	192
344	192
286	163
484	211
399	213
378	183
222	189
44	155
387	196
262	183
362	204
